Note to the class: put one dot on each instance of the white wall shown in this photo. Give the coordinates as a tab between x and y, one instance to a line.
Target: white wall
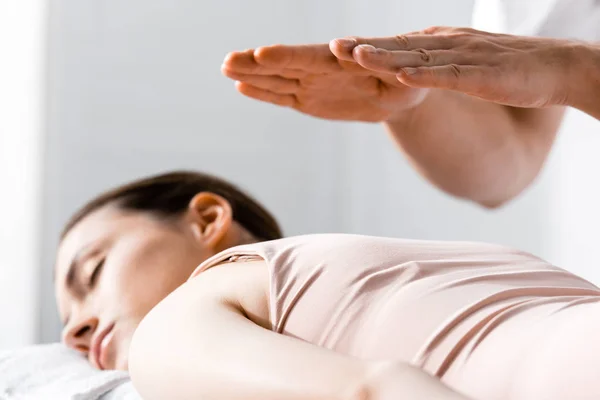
22	29
135	88
574	197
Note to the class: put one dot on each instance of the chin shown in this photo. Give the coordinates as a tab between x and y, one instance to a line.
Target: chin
122	366
120	362
122	357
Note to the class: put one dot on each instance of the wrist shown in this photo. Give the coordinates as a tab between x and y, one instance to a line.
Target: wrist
408	119
412	101
583	81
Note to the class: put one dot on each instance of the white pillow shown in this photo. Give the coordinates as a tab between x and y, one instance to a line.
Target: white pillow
53	371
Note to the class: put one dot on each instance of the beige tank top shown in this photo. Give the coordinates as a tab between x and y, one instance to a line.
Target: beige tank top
480	317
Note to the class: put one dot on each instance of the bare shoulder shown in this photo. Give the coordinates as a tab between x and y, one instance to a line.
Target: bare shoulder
194	328
243	285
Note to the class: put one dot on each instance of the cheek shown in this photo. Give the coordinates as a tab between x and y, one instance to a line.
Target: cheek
147	272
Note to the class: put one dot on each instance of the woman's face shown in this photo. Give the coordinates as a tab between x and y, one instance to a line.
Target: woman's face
112	268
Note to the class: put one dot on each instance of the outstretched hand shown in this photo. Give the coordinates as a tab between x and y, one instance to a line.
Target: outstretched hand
414	83
312	80
511	70
374	79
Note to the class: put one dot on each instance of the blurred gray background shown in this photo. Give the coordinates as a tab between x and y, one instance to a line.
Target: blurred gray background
134	88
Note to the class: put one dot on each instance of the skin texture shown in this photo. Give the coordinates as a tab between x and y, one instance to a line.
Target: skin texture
210	339
585	96
477	114
139	260
512	70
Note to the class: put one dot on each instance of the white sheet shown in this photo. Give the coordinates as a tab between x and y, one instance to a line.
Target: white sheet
54	372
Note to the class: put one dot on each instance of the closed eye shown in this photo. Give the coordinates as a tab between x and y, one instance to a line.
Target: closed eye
96	273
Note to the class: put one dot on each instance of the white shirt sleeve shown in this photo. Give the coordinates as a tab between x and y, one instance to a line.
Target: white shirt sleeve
575	19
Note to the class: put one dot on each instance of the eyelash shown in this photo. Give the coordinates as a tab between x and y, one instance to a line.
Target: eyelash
95	273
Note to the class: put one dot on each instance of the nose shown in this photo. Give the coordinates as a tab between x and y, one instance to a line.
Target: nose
78	334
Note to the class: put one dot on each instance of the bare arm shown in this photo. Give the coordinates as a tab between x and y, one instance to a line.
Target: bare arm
202	343
584	88
484	150
475	149
495	104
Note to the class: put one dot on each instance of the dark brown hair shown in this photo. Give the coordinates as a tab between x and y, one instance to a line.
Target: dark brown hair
168	195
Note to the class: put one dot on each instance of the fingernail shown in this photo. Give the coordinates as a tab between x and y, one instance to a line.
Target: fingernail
368	48
409	71
347	43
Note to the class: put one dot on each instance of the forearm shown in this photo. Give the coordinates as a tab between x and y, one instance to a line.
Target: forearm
584	80
474	149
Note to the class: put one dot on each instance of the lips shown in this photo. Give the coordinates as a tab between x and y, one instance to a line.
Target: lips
99	344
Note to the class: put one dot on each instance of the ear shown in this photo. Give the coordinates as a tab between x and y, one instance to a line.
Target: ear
211	218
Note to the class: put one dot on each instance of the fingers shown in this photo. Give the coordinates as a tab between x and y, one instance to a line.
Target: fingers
273	83
244	62
288	61
434	38
335	56
314	57
343	48
285	100
434	30
392	62
291	62
468	79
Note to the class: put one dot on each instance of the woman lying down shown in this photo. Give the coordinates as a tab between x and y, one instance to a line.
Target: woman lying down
312	317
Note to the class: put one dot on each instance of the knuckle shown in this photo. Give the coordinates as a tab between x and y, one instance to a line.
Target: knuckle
357	39
426	55
435	29
478	45
460	35
402	41
455	71
474	45
467	30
